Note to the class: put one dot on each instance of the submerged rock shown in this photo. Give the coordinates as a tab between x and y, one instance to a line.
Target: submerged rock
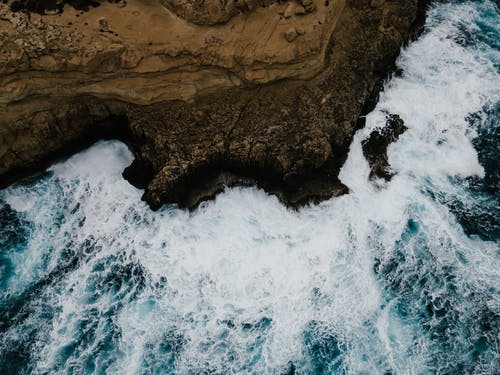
197	102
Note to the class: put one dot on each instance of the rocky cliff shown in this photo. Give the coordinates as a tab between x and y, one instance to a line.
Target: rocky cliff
207	93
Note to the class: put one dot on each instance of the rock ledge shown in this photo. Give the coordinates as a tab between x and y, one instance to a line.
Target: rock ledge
268	94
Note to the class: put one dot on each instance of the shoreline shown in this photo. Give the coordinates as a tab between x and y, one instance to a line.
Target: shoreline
279	136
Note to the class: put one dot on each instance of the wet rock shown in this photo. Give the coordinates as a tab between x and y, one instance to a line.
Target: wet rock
375	147
139	173
208	188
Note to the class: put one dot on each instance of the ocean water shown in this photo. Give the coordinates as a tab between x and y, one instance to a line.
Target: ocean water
394	278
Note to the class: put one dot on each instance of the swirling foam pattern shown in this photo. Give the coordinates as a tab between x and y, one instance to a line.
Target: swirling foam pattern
397	278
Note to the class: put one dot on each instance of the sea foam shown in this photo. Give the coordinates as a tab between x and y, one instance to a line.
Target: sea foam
382	280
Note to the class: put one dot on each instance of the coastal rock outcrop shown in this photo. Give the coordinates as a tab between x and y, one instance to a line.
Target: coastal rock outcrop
202	102
375	147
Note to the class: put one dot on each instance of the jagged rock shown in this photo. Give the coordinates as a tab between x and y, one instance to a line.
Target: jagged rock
375	147
198	103
211	12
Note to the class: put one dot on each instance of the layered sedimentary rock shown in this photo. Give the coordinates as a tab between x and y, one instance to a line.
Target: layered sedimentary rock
205	93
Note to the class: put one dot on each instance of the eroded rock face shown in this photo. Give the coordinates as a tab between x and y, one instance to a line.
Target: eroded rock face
211	12
202	106
145	54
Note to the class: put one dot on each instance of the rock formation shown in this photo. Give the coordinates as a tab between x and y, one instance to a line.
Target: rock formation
375	147
206	93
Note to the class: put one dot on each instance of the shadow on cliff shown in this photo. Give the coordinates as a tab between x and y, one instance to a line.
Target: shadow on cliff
112	127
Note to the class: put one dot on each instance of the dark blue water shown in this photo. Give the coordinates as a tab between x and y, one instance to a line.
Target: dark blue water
394	278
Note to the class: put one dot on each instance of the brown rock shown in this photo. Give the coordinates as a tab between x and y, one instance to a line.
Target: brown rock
300	10
308	5
289	11
199	105
377	3
291	34
211	12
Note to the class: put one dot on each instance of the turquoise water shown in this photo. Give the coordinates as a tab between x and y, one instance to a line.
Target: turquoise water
394	278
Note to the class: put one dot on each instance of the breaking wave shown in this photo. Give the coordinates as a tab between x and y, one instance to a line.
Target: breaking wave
394	278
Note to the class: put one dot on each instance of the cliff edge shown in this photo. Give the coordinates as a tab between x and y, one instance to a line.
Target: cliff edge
206	93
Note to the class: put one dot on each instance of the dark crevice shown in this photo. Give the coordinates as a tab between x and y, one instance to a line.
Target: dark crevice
51	6
205	181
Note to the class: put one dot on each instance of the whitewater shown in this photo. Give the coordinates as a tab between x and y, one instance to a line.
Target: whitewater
394	278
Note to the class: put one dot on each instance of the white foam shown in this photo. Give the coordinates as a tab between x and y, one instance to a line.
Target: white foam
244	257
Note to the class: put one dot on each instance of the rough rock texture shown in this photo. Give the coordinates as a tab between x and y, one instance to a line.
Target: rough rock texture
201	106
375	147
145	54
211	12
